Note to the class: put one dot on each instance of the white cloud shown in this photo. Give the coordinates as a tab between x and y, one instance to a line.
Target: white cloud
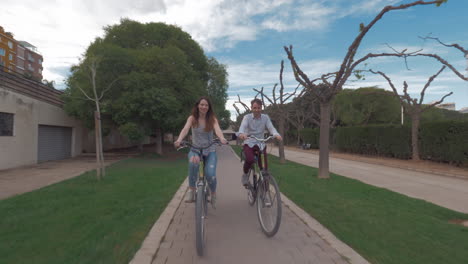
63	29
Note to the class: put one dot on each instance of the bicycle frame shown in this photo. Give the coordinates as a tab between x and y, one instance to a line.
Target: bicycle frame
259	192
262	155
202	193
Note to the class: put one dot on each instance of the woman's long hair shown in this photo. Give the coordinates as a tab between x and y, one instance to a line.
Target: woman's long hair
210	115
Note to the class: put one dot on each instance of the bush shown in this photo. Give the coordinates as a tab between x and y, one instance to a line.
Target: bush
382	140
445	141
310	136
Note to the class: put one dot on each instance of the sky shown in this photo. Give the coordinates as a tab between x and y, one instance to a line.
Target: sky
249	36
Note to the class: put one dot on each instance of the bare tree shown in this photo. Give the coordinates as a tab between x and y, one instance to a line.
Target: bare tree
278	104
414	108
332	83
303	110
92	67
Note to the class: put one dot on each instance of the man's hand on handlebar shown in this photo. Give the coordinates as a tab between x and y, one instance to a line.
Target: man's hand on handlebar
242	136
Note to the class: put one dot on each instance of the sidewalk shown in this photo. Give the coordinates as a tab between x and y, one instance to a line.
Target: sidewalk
28	178
234	234
406	177
441	169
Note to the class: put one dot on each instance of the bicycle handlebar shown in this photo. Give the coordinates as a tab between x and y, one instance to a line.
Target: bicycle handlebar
261	139
185	144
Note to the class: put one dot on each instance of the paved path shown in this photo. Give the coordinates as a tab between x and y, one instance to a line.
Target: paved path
448	192
234	234
28	178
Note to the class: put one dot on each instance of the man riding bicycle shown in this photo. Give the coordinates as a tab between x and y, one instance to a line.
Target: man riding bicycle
254	124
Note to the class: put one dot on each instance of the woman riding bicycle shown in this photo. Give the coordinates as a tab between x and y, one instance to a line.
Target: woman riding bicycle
202	123
254	124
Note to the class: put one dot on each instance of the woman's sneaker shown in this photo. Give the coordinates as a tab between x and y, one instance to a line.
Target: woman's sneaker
213	200
190	196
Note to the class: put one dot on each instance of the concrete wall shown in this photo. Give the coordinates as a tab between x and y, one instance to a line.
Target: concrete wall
21	148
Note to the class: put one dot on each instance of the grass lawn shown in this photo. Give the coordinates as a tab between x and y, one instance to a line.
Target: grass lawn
85	220
381	225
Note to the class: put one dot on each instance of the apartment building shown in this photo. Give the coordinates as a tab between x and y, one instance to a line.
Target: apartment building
19	57
464	110
30	59
8	47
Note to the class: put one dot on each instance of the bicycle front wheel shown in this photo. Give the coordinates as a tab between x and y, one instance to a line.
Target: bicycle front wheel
269	205
200	220
251	197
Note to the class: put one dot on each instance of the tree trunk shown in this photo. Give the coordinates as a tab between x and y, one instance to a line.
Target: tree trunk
97	144
324	145
159	141
415	119
281	143
101	148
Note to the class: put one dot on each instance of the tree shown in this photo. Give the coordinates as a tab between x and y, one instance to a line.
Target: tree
303	112
217	90
414	108
161	71
86	74
277	103
368	105
332	83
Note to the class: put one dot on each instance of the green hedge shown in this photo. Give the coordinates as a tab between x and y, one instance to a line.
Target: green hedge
310	136
445	141
382	140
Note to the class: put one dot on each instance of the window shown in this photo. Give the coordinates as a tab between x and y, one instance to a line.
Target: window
10	56
2	52
6	124
10	44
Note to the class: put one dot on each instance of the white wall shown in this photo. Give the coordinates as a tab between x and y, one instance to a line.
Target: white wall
21	148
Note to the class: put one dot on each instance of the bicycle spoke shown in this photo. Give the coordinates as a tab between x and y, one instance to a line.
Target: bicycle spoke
269	206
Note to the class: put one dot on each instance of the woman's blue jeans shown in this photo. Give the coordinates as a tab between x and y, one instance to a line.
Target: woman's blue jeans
210	169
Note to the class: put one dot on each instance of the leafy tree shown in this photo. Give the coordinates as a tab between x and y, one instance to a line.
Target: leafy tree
217	90
438	114
365	106
161	71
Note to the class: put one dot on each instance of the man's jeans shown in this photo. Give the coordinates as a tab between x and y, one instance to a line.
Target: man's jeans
210	169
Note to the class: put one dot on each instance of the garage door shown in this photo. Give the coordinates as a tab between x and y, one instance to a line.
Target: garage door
54	143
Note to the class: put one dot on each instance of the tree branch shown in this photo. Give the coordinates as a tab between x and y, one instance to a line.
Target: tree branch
345	68
436	103
429	83
85	94
460	48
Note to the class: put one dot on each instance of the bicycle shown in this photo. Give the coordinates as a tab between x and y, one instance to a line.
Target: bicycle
201	197
264	190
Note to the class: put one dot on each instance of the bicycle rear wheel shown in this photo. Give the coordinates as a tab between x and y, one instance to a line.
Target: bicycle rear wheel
269	205
200	220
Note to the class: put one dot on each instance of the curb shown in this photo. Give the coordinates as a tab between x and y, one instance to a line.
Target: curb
344	250
150	246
